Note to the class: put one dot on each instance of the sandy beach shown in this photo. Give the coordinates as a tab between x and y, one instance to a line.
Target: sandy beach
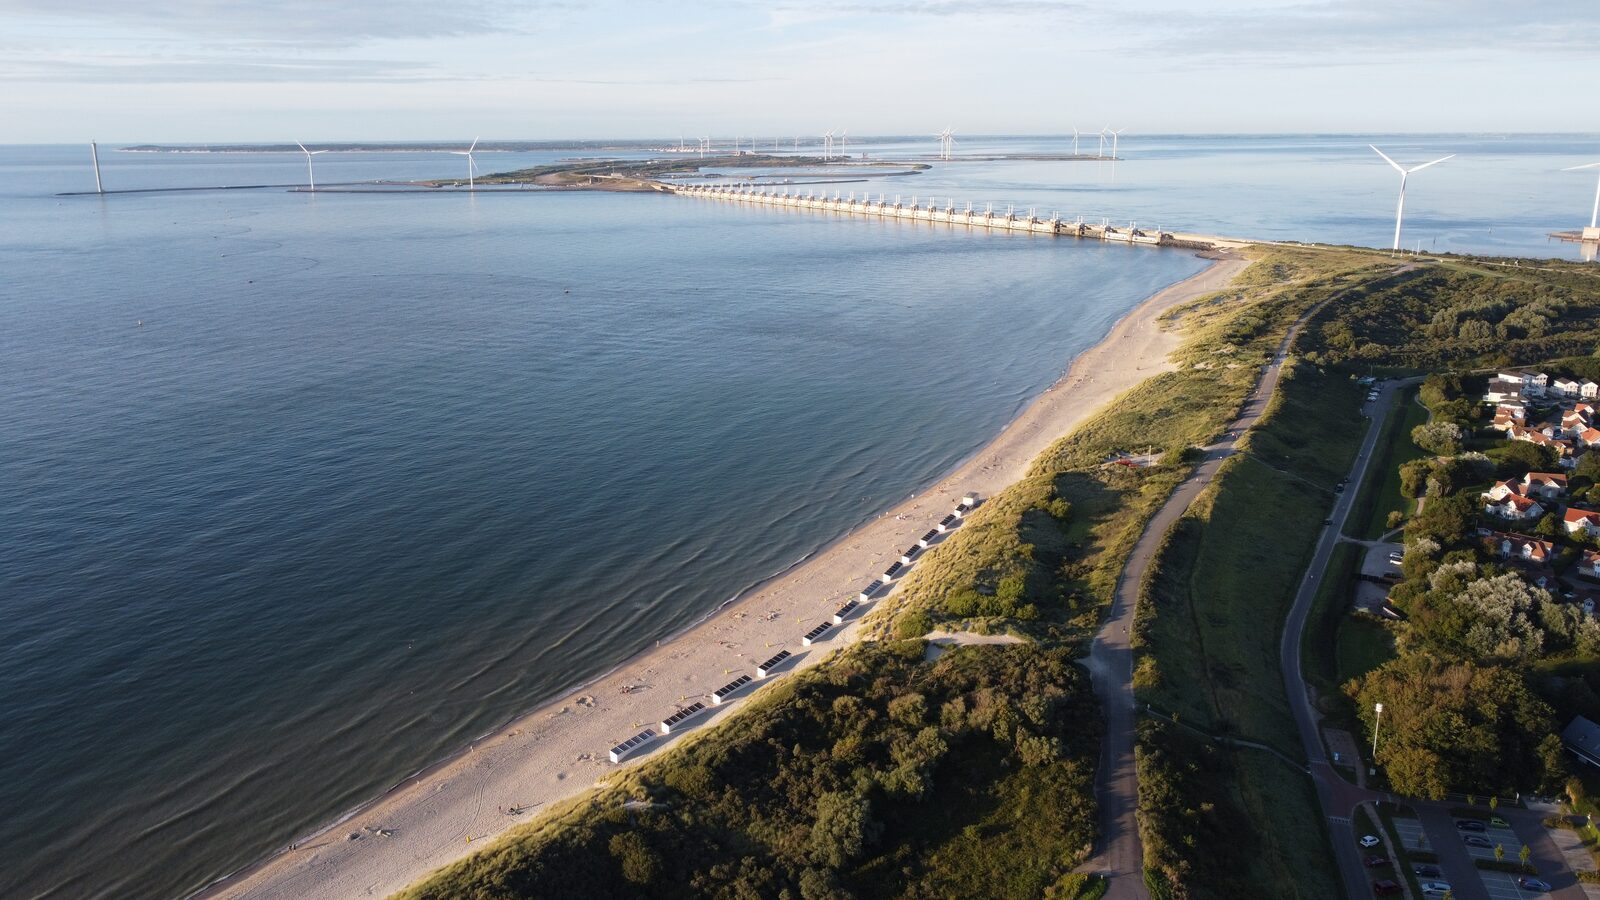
559	750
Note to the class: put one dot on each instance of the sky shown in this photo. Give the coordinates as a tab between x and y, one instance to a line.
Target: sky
327	70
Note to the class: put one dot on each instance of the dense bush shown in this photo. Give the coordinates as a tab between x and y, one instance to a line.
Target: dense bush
880	774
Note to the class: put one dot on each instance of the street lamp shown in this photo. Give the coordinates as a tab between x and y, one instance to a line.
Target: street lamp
1377	724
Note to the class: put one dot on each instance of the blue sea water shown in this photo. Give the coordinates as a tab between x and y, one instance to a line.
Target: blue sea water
300	493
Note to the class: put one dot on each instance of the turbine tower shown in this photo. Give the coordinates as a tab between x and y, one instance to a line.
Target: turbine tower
1114	135
310	175
1074	141
827	146
1101	134
94	154
947	141
472	166
1400	210
1590	233
844	136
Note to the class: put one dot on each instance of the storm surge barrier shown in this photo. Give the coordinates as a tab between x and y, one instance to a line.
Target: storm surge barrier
929	211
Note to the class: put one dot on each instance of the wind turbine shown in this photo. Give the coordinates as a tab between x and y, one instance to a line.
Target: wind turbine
472	167
1399	211
1114	135
1101	134
310	175
1074	141
844	150
1594	217
827	146
947	140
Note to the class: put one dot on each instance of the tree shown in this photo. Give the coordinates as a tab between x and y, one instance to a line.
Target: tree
1514	458
640	864
1414	477
841	830
1439	438
1499	852
1454	725
1523	854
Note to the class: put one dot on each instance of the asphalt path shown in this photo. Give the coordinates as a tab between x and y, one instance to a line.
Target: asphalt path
1119	855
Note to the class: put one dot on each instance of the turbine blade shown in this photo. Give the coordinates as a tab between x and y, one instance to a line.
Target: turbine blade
1586	166
1399	168
474	145
302	148
1427	164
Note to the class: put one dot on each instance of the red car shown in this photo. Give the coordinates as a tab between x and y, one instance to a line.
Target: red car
1385	888
1372	862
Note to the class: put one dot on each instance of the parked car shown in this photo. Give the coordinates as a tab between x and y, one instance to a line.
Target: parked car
1396	557
1372	862
1426	871
1532	884
1498	822
1474	840
1370	840
1471	825
1385	887
1435	887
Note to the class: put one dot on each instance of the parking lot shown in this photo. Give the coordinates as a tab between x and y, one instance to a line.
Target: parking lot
1504	837
1410	833
1503	886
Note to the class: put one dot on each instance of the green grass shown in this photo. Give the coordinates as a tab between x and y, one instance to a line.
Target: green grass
1229	572
1214	608
1318	656
1381	493
1363	645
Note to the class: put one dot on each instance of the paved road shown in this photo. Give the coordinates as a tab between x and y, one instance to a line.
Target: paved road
1337	796
1119	855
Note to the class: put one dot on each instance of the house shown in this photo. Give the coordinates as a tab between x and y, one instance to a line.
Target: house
1531	383
1588	390
1581	520
1520	547
1566	387
1582	738
1544	485
1507	415
1503	392
1588	437
1514	506
1589	564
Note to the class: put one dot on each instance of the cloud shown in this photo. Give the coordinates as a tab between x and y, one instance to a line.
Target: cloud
1344	32
315	21
200	70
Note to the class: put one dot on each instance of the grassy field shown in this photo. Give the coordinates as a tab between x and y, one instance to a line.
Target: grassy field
1223	584
1230	571
1381	494
1363	645
1318	656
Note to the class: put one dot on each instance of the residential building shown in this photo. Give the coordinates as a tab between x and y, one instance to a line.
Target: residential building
1581	737
1582	521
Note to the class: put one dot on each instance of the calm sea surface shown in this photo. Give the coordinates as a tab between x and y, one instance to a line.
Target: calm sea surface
298	494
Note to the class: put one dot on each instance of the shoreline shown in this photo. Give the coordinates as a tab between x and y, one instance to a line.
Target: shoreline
557	750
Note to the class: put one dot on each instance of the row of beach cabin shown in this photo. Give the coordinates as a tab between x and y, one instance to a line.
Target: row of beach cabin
767	669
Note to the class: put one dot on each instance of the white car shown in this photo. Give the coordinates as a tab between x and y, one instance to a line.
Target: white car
1435	887
1370	840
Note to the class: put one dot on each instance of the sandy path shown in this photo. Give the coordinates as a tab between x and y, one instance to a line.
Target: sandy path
560	749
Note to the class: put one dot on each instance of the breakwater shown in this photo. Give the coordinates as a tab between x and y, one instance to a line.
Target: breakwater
929	211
